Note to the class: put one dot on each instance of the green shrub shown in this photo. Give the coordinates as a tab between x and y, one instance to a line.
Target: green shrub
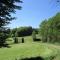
15	40
3	36
34	35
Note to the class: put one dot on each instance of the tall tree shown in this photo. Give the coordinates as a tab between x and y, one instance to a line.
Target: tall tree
43	30
50	29
6	8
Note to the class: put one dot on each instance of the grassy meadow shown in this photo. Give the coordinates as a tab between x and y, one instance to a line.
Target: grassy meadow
28	49
31	34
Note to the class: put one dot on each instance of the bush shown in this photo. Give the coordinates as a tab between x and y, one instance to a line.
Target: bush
15	40
3	36
34	35
22	31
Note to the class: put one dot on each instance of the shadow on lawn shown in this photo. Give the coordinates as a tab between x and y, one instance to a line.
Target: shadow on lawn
33	58
37	58
5	45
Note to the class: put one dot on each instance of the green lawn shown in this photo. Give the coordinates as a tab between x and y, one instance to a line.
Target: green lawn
27	50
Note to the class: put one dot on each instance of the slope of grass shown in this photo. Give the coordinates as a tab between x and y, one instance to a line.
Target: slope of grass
29	49
26	50
58	53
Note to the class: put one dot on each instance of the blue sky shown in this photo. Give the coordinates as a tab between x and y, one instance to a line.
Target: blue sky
34	12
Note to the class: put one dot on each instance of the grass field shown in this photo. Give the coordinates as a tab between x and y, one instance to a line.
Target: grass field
29	49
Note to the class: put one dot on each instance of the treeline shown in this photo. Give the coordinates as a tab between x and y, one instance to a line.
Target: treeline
23	31
50	29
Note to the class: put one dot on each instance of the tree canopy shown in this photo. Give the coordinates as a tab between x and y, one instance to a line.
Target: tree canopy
50	29
6	8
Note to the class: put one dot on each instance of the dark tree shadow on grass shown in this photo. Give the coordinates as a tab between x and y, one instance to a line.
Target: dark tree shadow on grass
5	45
37	58
37	40
33	58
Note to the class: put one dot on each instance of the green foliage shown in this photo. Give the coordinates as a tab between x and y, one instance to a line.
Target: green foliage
34	35
50	29
3	35
13	32
43	30
15	40
22	31
6	8
36	30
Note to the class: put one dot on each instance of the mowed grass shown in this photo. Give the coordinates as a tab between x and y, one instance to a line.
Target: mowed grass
27	50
